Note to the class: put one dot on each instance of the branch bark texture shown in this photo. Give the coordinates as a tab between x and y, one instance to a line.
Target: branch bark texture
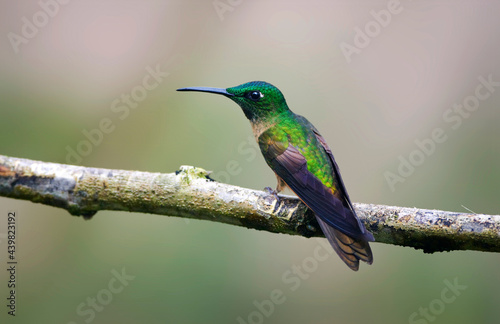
190	193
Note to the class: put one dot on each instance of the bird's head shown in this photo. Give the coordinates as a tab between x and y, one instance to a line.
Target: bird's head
258	100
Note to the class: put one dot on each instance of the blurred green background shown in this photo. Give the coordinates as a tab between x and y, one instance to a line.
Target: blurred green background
65	77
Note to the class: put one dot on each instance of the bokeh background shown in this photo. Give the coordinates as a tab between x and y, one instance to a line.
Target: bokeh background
64	78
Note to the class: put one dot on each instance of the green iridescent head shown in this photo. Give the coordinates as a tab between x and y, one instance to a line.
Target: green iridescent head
257	99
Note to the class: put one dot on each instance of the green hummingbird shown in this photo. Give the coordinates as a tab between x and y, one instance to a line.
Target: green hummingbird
301	160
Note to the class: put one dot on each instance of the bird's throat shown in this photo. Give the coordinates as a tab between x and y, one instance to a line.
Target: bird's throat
260	126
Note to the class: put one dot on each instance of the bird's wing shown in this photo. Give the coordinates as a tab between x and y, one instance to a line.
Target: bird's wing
291	166
349	249
340	182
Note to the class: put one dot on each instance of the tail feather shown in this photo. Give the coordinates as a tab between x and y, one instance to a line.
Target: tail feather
349	250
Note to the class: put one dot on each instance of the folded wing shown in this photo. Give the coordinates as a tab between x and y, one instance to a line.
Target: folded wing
333	209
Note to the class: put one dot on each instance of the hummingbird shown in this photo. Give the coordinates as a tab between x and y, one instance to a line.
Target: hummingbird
302	161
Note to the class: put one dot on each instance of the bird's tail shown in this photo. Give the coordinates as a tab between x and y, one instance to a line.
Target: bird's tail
350	250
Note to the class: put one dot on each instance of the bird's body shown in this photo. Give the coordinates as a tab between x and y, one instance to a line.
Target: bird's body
294	130
302	160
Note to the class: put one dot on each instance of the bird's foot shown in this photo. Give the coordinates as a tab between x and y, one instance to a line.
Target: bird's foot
273	192
275	203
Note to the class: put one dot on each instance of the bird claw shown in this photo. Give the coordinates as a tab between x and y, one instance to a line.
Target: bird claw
273	192
276	202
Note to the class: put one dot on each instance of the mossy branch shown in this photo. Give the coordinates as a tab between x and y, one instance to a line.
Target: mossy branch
191	193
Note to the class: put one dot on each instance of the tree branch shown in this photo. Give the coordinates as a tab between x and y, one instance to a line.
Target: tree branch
191	193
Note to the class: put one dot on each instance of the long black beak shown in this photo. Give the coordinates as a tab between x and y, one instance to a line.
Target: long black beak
207	89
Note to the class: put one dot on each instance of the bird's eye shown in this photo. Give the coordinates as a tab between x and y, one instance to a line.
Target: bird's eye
254	95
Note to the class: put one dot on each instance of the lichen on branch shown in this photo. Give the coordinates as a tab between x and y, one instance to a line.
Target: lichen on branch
191	193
